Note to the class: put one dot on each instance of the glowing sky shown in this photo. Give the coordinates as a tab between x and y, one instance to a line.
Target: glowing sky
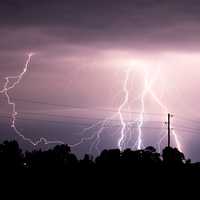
82	51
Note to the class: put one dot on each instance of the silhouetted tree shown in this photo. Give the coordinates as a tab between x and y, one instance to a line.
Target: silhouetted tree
61	162
171	156
11	155
87	161
108	157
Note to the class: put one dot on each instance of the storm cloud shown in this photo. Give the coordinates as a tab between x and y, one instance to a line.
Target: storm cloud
82	49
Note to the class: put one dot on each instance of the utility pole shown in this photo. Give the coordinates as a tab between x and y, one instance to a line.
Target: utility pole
169	128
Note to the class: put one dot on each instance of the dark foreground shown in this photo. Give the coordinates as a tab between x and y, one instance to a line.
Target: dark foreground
58	168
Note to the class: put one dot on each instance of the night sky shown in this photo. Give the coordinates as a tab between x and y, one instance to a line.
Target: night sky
82	51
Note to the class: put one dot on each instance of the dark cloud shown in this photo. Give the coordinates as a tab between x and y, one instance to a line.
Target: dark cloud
95	14
126	23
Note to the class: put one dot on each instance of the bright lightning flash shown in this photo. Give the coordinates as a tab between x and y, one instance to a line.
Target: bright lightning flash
147	90
100	126
13	81
125	101
8	87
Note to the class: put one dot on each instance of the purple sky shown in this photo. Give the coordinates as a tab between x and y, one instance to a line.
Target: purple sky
82	51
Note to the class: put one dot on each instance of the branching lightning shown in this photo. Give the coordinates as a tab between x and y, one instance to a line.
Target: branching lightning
99	126
125	101
147	89
6	88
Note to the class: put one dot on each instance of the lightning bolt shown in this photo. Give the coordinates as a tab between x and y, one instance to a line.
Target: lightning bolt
96	137
178	144
120	109
165	112
8	87
148	83
12	81
141	117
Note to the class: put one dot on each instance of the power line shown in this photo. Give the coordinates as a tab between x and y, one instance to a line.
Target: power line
187	119
69	122
187	131
79	107
186	127
91	119
76	118
179	117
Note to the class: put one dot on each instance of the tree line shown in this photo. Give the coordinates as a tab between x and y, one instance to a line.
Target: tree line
112	162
